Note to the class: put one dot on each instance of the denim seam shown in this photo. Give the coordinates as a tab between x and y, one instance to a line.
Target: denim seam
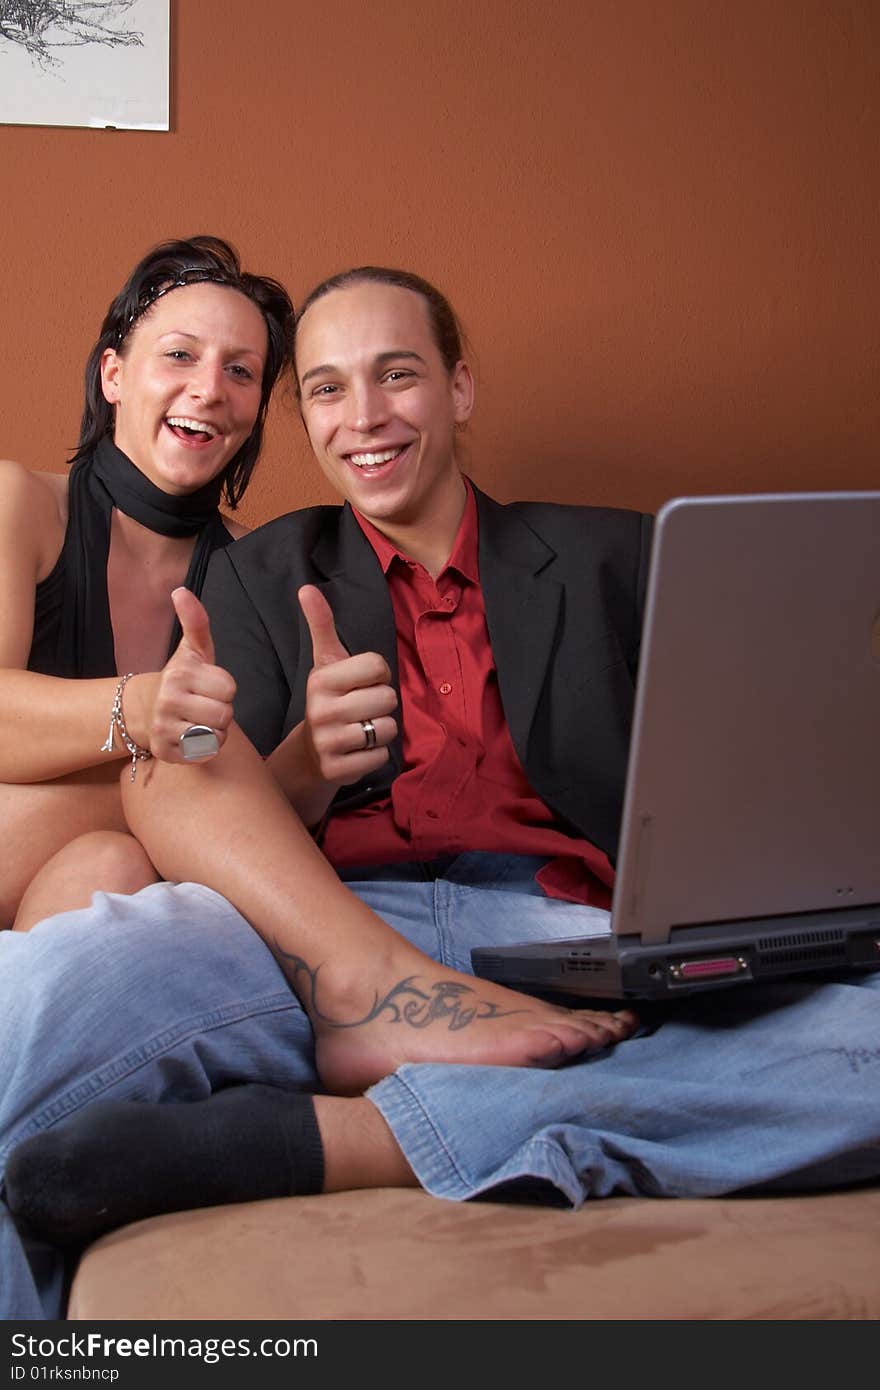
552	1170
572	1190
441	916
102	1078
410	1101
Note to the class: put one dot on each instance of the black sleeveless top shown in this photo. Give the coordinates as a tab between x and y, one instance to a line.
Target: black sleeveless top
73	636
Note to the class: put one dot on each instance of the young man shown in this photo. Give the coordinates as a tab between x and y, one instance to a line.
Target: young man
449	707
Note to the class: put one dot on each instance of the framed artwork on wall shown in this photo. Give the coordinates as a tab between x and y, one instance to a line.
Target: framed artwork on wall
103	64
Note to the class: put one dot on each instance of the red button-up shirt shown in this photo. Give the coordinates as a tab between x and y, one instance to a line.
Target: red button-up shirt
462	786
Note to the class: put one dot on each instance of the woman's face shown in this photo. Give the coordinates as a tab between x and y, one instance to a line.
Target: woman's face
379	404
187	390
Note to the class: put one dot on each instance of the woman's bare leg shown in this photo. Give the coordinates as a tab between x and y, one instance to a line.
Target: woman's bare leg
111	861
374	1000
40	819
359	1148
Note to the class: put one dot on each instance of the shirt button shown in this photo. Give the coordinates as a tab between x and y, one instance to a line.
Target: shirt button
445	688
449	600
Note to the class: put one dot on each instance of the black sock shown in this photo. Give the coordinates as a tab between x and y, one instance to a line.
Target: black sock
121	1161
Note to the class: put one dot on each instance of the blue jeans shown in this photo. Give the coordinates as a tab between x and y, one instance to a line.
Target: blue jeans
169	995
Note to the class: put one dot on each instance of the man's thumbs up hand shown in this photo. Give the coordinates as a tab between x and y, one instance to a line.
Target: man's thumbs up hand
326	646
349	700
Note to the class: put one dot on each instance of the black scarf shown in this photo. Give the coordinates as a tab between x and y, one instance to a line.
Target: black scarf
109	479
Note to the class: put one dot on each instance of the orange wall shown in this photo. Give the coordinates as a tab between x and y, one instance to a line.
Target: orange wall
659	221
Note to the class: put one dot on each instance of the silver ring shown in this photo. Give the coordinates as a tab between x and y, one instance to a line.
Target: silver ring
369	729
198	741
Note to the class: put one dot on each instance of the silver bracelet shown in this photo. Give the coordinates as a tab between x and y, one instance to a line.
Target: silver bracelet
117	721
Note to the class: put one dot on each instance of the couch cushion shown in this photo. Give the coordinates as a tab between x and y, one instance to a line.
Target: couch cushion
402	1254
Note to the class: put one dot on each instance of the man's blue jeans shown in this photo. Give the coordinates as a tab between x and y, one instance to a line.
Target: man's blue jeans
169	995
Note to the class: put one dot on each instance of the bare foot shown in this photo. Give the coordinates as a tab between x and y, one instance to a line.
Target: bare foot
407	1008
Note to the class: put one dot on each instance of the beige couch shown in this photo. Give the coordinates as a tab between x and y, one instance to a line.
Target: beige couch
404	1255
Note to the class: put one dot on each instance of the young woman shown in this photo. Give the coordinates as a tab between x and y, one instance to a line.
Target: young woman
176	392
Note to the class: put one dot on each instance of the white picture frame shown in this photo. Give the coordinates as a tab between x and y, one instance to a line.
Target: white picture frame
102	64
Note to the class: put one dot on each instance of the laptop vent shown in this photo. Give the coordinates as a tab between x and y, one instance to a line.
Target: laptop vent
794	955
801	938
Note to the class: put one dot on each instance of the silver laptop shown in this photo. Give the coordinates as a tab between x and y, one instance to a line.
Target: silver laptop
750	845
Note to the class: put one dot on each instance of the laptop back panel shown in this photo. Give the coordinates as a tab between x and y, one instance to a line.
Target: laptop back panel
754	783
750	839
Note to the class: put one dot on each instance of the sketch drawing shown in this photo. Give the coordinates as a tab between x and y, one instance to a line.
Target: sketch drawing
44	28
99	63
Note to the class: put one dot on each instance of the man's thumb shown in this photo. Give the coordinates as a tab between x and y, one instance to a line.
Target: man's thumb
326	646
194	623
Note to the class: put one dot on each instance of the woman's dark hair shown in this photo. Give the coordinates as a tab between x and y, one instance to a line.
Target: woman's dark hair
169	266
445	326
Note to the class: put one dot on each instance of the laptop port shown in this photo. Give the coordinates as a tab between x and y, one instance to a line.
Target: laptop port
709	968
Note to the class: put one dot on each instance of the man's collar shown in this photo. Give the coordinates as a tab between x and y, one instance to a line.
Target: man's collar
464	554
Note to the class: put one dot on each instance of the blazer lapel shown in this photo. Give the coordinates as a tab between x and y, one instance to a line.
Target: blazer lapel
522	611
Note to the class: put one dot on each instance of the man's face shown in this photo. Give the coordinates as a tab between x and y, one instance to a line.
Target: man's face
379	404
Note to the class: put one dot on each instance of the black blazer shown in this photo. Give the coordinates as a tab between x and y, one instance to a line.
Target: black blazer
564	591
